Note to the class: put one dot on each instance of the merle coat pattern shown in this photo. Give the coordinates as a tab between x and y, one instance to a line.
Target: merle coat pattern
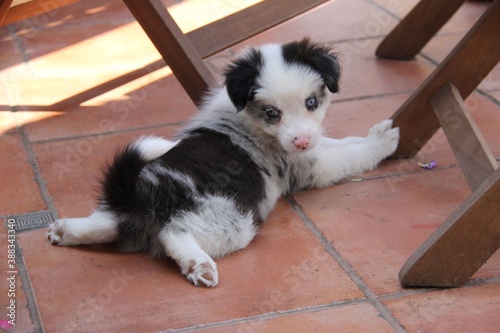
254	140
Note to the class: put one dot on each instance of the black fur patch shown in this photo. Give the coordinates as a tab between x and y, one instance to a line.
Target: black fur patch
318	57
218	167
144	196
119	190
142	207
241	76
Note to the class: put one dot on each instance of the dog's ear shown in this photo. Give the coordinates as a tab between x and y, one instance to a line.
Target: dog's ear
241	76
320	58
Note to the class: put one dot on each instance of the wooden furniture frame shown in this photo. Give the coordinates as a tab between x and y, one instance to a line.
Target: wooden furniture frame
184	53
470	236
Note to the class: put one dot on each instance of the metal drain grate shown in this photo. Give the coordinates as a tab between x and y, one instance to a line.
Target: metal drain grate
32	220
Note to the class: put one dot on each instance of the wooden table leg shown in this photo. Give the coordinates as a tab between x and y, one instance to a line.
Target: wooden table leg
461	245
180	55
465	67
417	28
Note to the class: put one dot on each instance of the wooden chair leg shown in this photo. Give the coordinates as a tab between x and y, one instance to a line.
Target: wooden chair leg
465	67
461	245
417	28
174	46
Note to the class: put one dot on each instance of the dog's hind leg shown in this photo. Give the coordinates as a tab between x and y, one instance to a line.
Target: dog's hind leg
99	227
195	264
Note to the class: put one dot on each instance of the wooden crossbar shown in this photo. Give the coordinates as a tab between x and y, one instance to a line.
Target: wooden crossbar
472	153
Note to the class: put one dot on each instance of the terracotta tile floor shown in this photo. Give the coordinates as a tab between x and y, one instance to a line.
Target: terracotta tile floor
326	260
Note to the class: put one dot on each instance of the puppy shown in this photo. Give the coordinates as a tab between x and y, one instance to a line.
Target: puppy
255	139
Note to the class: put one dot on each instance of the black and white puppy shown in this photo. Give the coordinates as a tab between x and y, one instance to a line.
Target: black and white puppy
254	140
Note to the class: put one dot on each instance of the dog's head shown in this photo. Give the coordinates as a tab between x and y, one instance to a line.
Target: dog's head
284	89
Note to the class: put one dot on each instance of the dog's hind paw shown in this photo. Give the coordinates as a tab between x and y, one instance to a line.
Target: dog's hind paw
203	274
62	233
55	235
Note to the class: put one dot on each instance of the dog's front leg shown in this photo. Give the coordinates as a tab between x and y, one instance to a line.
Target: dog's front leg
334	160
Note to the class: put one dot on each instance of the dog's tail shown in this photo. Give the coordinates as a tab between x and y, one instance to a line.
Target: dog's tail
120	190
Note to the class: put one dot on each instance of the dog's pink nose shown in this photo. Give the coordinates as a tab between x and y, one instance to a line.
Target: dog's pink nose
301	142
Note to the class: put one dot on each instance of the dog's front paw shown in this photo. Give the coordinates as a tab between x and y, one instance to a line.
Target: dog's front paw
384	138
203	274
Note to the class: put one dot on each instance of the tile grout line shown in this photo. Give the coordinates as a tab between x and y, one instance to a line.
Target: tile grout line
319	307
383	9
267	316
103	134
23	270
427	290
328	246
27	287
42	185
397	174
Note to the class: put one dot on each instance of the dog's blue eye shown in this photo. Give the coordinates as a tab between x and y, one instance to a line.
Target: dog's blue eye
272	115
271	112
311	103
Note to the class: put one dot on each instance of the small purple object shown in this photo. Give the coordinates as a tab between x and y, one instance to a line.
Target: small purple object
432	165
428	166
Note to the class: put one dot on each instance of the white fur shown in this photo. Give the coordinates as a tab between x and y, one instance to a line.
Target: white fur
99	227
195	264
338	159
152	147
283	86
214	230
